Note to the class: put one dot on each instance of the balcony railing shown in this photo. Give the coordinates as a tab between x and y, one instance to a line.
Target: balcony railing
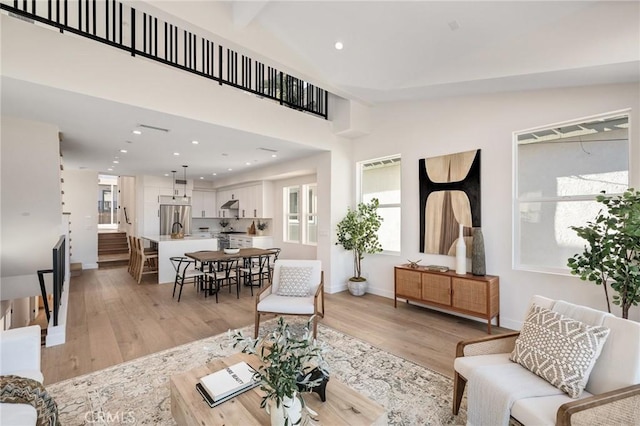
121	26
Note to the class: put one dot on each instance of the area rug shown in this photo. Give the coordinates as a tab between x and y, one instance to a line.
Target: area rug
137	392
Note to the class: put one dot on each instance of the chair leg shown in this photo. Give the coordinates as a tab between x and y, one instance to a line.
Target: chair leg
315	327
257	326
459	384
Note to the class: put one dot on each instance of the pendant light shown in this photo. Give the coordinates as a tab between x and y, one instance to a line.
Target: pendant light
174	183
185	182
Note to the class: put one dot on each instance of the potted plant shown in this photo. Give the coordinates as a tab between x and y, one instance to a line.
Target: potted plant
358	232
612	255
289	363
261	227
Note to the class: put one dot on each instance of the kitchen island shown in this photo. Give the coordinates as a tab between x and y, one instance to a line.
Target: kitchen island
169	247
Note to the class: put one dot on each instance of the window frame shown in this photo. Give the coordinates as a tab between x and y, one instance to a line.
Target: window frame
517	200
302	213
360	167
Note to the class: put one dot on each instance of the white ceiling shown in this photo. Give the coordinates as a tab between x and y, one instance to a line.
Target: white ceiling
393	51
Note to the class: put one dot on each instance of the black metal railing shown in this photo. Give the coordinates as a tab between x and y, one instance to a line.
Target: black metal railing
59	271
106	21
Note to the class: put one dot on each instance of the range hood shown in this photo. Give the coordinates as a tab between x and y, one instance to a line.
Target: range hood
231	205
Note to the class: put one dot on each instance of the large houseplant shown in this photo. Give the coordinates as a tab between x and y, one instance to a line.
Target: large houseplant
289	362
612	255
358	232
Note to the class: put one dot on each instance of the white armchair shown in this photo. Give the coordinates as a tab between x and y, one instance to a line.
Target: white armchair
612	392
20	356
287	294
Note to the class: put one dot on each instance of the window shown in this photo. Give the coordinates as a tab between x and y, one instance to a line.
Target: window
380	178
558	172
301	214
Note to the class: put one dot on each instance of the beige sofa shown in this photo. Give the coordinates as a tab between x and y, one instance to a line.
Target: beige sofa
20	356
611	394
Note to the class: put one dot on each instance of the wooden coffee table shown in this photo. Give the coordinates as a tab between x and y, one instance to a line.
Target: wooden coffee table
343	406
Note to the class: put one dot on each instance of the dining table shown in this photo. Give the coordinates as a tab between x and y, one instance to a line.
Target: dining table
211	257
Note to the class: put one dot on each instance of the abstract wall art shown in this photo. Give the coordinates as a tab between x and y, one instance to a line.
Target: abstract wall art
449	195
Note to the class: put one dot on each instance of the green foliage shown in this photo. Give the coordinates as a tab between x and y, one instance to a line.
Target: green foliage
358	232
612	253
287	360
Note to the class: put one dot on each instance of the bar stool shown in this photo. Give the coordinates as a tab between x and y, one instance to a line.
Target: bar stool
146	263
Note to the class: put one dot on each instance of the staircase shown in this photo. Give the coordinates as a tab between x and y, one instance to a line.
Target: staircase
113	249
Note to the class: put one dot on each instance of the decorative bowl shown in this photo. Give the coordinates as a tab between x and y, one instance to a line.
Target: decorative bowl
232	250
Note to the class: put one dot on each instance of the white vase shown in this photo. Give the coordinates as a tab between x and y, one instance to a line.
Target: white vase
357	288
289	411
461	253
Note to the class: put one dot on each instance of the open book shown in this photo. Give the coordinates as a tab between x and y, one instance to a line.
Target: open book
227	383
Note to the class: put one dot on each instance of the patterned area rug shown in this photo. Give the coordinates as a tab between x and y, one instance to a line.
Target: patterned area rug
137	392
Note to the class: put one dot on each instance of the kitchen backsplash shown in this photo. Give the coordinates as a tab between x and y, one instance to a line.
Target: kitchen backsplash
237	225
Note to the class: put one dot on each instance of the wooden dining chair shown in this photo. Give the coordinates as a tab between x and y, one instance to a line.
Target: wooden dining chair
147	262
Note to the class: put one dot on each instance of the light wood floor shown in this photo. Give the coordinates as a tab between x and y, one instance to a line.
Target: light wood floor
112	319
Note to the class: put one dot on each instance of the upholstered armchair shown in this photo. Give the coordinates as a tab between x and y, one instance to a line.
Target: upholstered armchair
297	288
20	356
611	392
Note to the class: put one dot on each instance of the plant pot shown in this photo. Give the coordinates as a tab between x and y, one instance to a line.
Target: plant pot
357	288
289	411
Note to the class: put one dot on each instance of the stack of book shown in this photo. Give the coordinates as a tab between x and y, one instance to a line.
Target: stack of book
227	383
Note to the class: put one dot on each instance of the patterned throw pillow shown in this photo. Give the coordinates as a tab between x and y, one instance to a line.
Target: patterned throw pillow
561	350
295	281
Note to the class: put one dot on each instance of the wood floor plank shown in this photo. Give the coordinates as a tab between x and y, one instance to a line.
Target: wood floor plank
113	319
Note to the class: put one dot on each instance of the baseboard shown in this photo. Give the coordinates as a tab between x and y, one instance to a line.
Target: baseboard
89	266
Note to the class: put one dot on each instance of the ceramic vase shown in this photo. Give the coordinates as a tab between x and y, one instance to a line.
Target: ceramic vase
288	412
461	253
478	266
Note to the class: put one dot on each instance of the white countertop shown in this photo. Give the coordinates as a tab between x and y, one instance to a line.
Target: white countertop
161	238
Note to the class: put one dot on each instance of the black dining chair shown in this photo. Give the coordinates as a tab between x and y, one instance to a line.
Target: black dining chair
255	271
227	274
185	270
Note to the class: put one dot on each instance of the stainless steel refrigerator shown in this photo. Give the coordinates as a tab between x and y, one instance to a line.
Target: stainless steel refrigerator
170	214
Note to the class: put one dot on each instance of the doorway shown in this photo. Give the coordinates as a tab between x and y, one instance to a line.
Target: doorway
107	202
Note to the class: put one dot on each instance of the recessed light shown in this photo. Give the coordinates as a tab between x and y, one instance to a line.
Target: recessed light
176	153
124	151
110	169
137	132
273	155
247	163
201	177
214	174
166	174
339	45
230	170
195	142
115	162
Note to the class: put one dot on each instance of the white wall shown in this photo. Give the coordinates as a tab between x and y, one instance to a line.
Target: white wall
80	199
31	210
444	126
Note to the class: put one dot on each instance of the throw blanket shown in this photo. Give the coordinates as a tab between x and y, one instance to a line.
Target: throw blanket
21	390
494	388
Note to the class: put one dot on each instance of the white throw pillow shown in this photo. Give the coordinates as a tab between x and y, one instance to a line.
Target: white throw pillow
295	281
561	350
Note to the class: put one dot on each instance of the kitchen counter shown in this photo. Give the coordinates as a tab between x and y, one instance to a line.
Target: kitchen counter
169	247
160	238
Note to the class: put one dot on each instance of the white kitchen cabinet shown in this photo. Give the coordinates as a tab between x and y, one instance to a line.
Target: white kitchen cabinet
203	204
256	201
245	241
263	242
151	217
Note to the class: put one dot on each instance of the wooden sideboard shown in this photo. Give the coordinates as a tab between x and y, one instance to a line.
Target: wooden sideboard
477	296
